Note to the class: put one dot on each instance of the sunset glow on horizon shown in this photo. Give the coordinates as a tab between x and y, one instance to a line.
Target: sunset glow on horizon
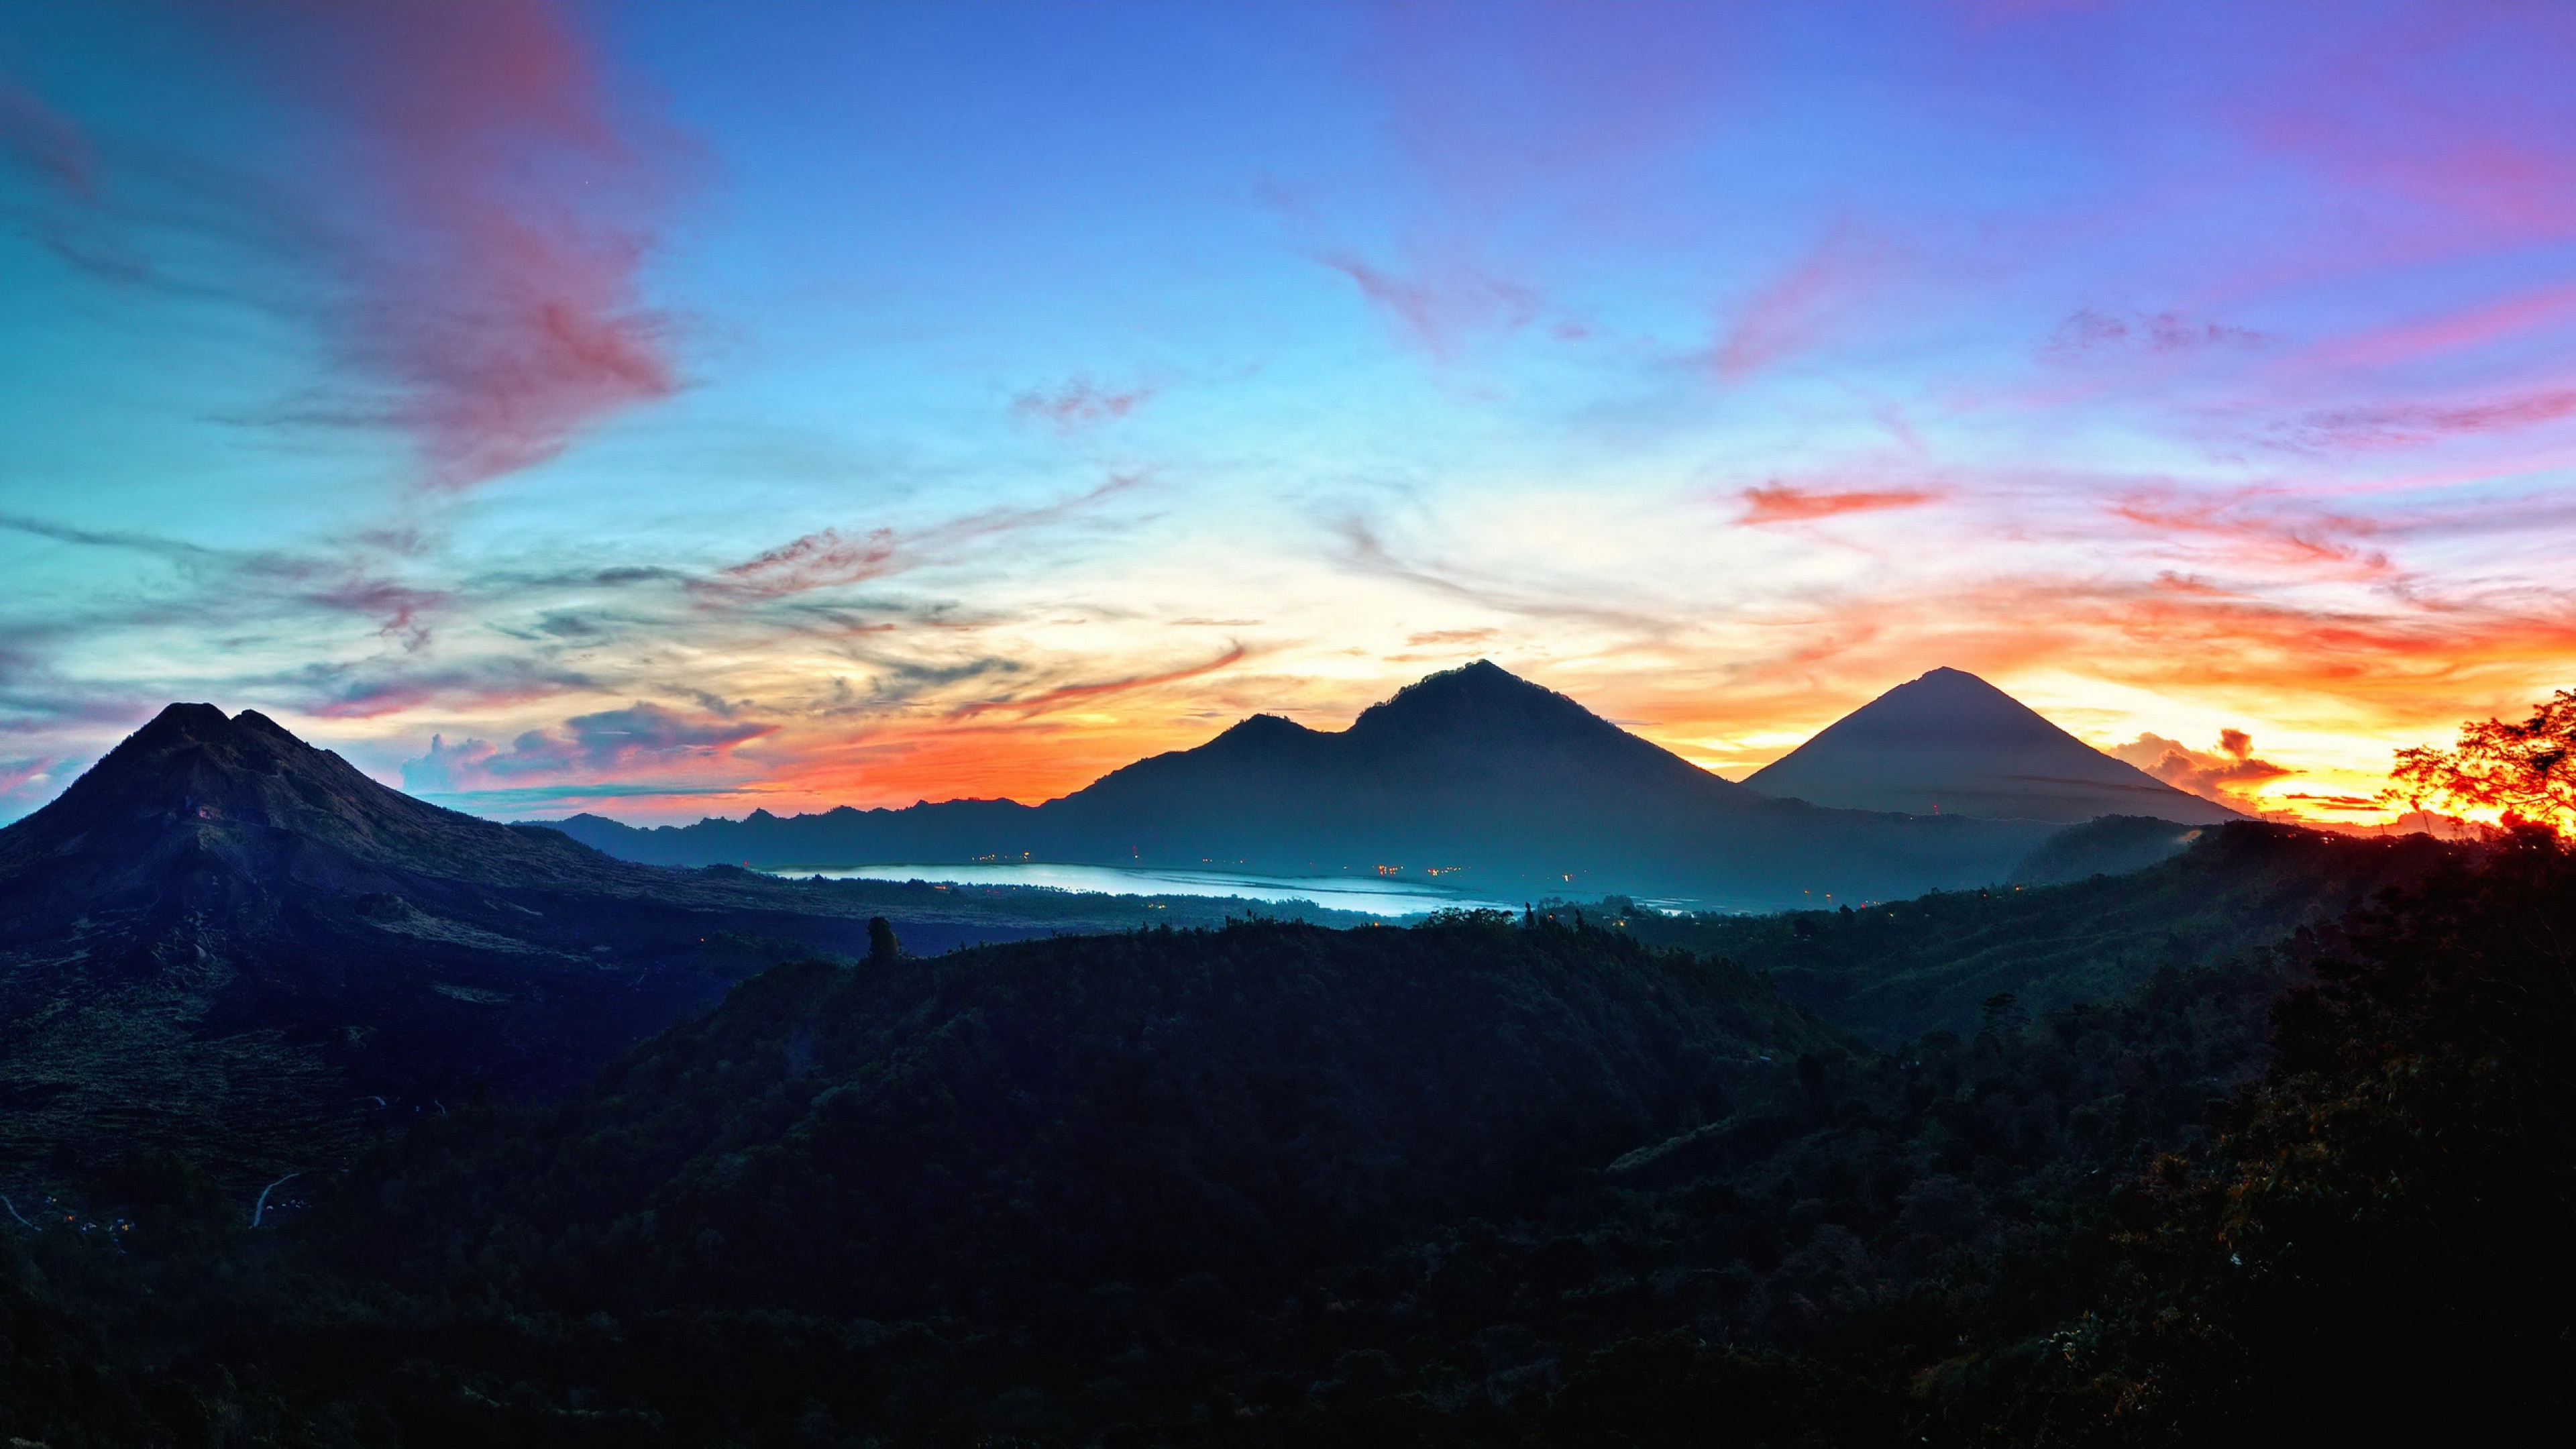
679	410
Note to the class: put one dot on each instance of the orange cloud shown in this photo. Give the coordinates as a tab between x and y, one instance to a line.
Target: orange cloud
1780	503
2222	776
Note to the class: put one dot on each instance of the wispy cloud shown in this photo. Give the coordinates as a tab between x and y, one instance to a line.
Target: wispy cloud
2408	424
44	140
828	558
375	688
589	749
2254	528
2087	330
1440	305
1810	302
1048	700
1366	552
1079	403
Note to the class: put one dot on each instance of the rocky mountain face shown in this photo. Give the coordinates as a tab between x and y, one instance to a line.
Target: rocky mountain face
1952	744
1518	790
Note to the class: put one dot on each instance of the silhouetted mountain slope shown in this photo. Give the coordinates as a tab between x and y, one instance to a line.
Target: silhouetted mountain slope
1949	741
225	940
1521	789
1891	971
1209	1114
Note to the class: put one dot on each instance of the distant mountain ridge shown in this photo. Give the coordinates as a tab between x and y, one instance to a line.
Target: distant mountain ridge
1948	742
1523	789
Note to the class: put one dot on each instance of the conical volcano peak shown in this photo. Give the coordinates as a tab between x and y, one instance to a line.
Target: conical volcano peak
1949	704
1948	742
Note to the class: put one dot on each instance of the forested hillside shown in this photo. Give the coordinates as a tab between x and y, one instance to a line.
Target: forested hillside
1890	970
1484	1182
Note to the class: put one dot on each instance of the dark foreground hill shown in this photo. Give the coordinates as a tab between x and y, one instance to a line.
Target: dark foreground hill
1273	1187
1893	971
223	940
1950	742
945	1136
1519	790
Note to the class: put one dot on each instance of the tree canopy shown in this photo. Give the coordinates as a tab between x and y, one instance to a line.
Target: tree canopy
2526	770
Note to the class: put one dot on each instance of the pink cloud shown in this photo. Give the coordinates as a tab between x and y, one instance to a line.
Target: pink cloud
1438	307
1780	503
1798	309
45	140
14	776
2248	530
497	292
403	609
2453	331
814	561
2403	425
2483	164
1080	403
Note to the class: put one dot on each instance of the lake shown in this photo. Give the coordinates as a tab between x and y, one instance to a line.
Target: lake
1339	893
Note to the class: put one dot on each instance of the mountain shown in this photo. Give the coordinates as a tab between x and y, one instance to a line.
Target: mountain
224	940
1952	744
1518	790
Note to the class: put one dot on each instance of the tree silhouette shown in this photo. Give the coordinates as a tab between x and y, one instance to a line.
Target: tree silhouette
2526	770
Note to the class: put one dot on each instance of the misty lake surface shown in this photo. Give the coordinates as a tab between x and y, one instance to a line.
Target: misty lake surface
1339	893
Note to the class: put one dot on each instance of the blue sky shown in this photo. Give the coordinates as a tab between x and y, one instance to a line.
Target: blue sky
675	408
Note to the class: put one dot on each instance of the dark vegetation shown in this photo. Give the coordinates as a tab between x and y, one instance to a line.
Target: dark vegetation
1891	970
1481	1182
2106	845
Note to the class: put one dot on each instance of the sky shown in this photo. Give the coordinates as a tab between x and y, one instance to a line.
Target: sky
670	409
